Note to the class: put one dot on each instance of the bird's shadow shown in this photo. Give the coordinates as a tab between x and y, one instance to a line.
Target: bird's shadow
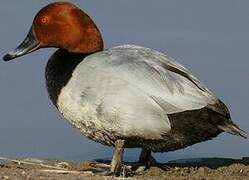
212	163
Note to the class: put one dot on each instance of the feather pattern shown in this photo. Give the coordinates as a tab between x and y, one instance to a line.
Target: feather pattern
131	90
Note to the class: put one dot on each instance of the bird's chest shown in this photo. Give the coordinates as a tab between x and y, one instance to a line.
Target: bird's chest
65	95
78	112
83	116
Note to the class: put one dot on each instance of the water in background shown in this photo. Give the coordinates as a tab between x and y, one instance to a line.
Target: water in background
209	37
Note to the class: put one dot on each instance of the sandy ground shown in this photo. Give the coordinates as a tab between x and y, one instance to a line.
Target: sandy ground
209	168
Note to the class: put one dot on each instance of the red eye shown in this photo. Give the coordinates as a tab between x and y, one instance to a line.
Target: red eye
44	20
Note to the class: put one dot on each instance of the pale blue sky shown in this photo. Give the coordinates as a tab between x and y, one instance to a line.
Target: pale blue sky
211	38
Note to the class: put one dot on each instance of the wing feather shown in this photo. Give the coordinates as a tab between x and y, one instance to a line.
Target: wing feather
137	87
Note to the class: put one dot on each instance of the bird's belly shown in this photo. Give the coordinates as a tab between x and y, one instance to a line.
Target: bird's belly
188	128
83	116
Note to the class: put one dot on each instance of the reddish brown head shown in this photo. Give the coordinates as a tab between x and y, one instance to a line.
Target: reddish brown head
61	25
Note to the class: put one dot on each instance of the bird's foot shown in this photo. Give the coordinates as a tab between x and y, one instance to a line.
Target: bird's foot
147	159
103	169
116	167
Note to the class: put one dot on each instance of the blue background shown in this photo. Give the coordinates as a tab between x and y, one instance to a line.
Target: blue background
210	38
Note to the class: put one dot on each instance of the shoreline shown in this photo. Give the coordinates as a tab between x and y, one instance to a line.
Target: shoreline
198	168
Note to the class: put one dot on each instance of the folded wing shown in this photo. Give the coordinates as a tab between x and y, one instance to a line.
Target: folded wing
132	90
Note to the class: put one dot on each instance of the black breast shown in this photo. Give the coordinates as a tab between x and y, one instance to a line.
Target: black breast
59	70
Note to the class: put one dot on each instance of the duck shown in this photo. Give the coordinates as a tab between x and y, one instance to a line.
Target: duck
127	96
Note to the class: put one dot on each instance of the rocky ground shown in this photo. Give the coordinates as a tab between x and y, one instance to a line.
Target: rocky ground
209	168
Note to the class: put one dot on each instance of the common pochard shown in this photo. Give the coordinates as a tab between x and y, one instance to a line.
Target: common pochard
126	96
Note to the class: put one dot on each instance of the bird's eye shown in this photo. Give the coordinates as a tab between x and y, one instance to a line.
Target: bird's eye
44	20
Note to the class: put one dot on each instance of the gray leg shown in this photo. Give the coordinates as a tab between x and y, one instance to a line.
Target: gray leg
146	158
117	157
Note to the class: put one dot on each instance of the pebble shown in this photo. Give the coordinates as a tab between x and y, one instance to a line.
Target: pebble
203	170
6	177
140	169
63	164
177	168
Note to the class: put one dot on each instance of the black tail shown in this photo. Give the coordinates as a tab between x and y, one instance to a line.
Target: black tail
233	129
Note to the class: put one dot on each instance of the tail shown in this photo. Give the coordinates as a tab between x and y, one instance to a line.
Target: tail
233	129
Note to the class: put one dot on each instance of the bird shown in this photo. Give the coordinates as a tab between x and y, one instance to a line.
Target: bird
127	96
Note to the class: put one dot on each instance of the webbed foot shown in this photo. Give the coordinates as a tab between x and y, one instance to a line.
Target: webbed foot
147	159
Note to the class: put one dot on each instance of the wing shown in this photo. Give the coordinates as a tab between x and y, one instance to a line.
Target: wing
132	89
168	82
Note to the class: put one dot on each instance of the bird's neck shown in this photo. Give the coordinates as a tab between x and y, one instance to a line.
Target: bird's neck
59	70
